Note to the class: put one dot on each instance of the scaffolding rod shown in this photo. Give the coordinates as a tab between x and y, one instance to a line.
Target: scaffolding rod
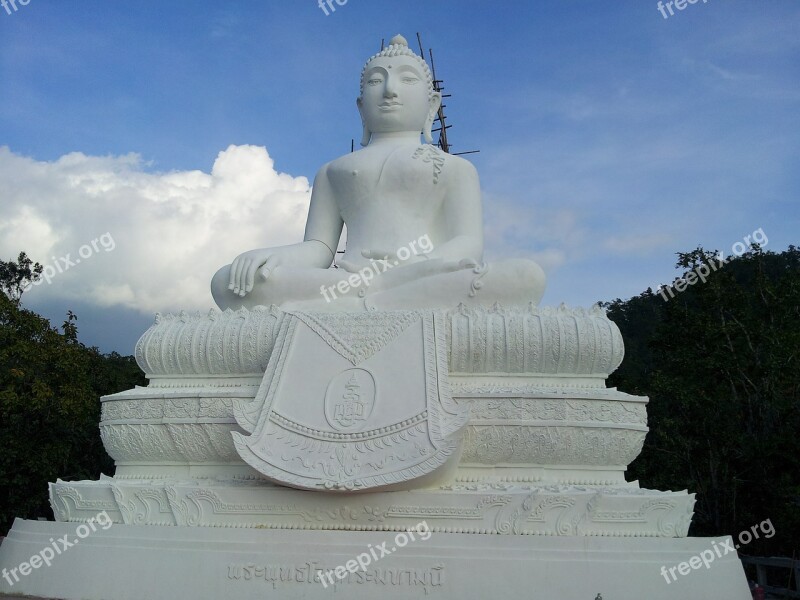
440	119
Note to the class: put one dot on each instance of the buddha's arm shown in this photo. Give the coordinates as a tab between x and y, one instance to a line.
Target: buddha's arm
324	223
462	218
323	228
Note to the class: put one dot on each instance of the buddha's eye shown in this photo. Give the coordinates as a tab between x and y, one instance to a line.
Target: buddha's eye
374	81
410	80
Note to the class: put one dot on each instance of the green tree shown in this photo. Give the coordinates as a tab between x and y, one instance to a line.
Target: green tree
719	362
15	277
50	385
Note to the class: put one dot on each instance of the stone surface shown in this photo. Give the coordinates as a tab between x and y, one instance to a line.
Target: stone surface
480	508
204	563
515	432
374	412
544	448
581	345
532	378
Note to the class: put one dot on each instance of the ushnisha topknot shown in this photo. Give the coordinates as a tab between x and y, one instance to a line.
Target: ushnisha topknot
398	46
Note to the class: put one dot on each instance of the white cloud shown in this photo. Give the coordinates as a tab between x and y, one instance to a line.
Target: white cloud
171	231
26	229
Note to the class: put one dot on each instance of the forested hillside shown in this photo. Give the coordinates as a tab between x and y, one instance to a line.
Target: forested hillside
719	362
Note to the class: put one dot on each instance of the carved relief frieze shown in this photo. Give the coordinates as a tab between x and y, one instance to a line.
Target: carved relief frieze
351	423
551	445
520	339
562	510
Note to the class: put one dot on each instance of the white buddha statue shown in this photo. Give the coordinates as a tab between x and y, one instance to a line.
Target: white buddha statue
413	216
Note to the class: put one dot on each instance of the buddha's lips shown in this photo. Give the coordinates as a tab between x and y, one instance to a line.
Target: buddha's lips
390	104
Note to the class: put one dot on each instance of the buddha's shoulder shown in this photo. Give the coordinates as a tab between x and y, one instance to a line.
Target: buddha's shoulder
429	152
453	168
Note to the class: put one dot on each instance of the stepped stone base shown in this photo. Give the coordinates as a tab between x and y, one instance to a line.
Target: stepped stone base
128	562
520	429
473	508
535	504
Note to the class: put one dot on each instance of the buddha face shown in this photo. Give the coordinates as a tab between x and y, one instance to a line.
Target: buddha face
396	96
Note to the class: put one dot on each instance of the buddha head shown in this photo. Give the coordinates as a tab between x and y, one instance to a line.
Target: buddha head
397	93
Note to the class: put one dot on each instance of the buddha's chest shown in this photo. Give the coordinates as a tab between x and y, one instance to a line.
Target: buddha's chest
406	179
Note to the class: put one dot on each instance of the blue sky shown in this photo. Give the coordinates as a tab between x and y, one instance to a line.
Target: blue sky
611	138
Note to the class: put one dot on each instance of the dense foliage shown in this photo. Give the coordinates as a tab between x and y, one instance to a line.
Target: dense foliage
719	362
50	386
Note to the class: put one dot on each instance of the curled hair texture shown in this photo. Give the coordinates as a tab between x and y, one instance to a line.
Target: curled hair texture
398	46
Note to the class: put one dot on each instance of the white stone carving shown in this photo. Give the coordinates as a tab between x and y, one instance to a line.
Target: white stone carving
212	344
210	563
388	194
520	426
370	414
524	340
533	509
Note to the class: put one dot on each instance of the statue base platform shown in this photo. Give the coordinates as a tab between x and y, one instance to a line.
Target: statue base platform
129	562
477	508
535	504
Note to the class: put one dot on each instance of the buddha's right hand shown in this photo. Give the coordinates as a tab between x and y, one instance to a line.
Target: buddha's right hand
244	268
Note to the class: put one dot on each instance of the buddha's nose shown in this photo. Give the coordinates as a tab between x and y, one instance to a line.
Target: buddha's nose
390	90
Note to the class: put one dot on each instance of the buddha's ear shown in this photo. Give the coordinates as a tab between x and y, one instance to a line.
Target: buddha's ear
366	134
434	103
